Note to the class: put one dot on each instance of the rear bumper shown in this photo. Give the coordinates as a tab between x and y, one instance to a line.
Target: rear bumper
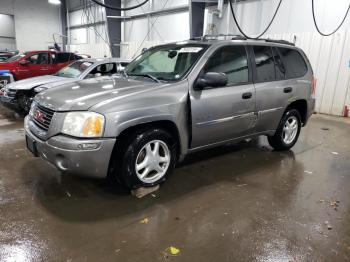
66	155
310	109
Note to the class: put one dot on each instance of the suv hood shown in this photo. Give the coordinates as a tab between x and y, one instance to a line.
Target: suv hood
82	95
30	83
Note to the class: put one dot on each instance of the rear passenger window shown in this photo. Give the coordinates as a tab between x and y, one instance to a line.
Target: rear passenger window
62	58
265	65
294	63
231	60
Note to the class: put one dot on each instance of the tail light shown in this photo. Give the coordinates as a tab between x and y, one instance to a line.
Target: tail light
313	87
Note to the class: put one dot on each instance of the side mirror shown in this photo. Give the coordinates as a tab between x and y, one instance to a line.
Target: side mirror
211	79
24	62
97	75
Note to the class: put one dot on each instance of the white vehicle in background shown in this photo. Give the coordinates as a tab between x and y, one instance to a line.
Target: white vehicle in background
19	95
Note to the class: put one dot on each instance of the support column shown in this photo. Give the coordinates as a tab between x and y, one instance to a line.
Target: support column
63	16
197	8
114	27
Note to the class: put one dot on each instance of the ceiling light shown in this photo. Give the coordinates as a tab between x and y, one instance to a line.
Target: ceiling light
55	2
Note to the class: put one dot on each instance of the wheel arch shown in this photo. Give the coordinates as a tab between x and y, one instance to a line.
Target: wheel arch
165	124
301	106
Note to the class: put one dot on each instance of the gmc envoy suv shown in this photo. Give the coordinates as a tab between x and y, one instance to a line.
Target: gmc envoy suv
173	100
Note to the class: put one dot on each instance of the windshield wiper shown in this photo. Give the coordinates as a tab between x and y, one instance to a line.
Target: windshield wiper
146	75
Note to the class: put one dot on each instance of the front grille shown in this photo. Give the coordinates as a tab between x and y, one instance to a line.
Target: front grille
42	117
11	93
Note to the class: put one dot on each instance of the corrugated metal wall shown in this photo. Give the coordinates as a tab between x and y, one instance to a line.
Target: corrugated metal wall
98	50
330	59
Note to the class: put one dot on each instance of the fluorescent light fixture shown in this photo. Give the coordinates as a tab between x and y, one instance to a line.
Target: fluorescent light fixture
55	2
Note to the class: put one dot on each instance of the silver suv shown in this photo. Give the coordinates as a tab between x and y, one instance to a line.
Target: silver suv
174	99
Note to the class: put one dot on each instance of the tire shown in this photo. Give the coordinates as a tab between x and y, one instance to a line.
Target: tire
24	102
287	132
133	155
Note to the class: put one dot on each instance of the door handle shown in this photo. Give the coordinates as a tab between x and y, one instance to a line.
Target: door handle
247	95
287	89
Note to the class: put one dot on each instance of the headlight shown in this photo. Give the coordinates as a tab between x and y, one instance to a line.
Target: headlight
84	124
32	107
39	89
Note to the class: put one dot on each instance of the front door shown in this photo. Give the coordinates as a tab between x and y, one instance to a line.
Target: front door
220	114
39	64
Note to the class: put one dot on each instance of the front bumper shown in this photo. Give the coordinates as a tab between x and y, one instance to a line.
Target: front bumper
9	102
66	155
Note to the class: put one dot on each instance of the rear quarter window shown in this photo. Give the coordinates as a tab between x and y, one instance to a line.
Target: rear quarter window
294	64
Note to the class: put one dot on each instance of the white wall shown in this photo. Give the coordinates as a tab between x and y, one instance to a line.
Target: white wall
7	28
146	32
6	7
7	32
7	25
35	22
92	40
329	56
294	16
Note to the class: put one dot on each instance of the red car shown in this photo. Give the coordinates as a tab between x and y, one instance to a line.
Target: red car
37	63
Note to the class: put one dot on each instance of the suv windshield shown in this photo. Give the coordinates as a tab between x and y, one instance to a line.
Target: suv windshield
74	70
168	63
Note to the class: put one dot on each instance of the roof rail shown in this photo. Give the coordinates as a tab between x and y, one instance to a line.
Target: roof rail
219	36
285	42
239	37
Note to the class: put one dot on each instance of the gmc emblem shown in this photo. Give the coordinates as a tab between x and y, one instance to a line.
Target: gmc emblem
39	116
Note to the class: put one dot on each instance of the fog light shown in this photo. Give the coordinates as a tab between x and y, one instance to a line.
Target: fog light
89	146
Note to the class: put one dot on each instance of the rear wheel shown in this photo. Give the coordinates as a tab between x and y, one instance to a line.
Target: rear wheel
287	132
146	159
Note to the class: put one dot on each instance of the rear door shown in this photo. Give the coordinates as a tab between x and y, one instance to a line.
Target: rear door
272	94
220	114
276	74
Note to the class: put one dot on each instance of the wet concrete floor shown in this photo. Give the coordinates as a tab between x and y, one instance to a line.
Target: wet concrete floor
235	203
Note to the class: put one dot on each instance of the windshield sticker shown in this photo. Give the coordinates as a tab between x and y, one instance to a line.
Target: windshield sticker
190	49
87	64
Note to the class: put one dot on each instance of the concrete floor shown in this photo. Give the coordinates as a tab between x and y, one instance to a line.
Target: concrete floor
235	203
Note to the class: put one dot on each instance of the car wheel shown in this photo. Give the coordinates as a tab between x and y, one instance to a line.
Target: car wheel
287	132
147	159
24	102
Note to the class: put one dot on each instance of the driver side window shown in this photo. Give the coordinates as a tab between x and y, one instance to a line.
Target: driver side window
231	60
39	59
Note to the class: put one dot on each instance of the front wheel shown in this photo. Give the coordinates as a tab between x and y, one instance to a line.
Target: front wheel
287	132
24	102
147	159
